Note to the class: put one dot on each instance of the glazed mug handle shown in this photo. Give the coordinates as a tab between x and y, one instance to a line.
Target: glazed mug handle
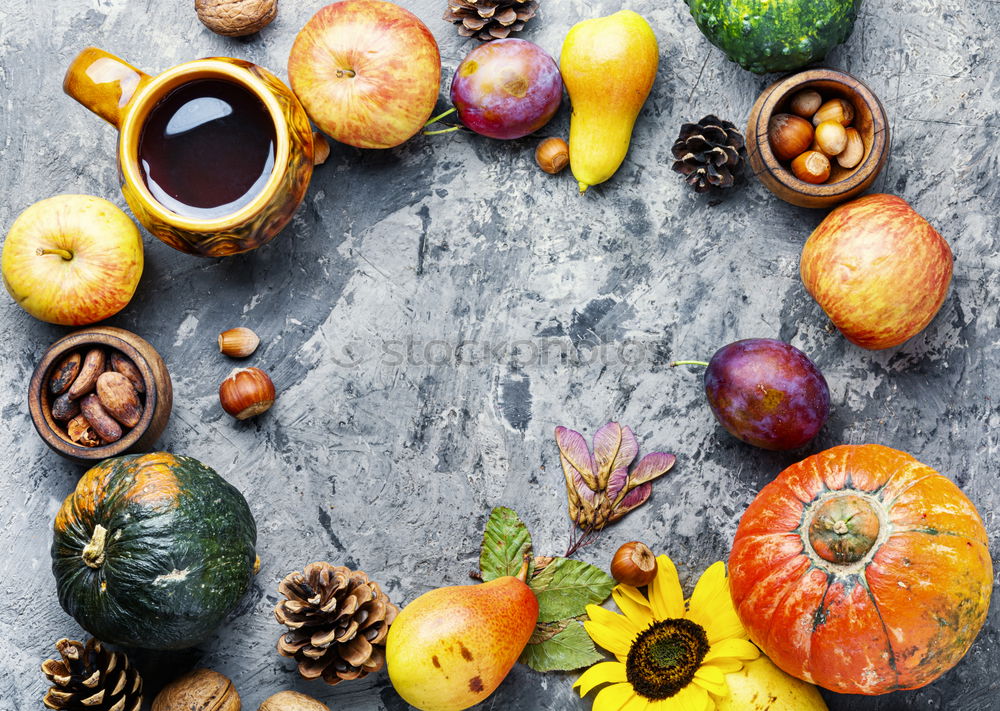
103	83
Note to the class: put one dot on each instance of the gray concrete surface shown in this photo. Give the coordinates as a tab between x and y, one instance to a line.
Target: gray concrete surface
388	445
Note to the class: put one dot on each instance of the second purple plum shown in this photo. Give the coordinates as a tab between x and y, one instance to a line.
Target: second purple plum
767	393
506	89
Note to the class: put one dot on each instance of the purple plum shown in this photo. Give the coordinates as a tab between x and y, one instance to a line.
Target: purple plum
767	393
506	89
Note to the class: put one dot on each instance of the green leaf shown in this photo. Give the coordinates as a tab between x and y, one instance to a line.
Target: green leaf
505	543
569	649
567	586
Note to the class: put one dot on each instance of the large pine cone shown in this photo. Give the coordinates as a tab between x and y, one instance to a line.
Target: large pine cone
709	153
91	678
337	622
490	19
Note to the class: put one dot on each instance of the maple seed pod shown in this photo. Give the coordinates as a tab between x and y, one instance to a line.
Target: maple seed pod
246	392
238	342
634	564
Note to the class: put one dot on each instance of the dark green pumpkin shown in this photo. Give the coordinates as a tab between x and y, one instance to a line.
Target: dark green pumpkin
153	551
775	35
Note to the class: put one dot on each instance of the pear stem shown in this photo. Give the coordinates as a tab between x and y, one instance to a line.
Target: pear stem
64	253
444	130
523	574
440	116
689	362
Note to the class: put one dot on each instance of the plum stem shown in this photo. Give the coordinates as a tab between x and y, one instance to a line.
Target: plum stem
443	130
689	362
440	116
64	253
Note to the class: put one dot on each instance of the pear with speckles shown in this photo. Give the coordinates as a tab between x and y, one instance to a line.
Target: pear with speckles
450	648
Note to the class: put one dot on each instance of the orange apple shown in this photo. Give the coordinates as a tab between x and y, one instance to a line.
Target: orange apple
367	72
72	259
878	269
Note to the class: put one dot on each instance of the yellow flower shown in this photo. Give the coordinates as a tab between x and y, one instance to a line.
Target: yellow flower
672	655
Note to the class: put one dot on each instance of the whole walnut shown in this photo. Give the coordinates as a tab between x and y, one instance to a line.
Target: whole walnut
199	690
235	18
292	701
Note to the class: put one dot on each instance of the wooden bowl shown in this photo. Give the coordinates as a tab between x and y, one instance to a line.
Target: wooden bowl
158	397
869	119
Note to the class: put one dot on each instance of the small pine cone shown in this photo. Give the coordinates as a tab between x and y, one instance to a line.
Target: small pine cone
91	678
490	19
337	622
709	153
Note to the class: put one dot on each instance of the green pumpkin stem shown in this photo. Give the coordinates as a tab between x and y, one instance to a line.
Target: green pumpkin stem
93	552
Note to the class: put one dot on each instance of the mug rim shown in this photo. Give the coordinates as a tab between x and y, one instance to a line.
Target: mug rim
165	82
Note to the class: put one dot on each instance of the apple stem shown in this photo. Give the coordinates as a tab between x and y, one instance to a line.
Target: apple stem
689	362
349	73
64	253
440	116
443	130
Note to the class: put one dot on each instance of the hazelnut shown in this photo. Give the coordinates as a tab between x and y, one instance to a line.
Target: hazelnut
634	564
552	155
805	103
236	18
831	137
853	152
246	392
292	701
238	342
321	148
811	167
789	135
839	110
199	689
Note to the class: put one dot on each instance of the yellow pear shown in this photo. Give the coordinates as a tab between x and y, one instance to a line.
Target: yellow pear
761	686
450	648
608	65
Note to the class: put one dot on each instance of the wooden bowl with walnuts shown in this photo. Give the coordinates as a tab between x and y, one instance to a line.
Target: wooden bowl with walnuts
817	138
99	393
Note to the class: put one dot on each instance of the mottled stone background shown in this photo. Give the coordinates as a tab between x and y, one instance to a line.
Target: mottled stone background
388	445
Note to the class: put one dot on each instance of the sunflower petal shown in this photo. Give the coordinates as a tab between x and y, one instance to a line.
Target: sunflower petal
694	698
712	680
612	619
741	649
634	595
616	639
613	698
603	673
637	612
665	594
638	703
711	606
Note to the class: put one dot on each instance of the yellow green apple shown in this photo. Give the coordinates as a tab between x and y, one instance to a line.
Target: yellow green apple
367	72
72	259
878	269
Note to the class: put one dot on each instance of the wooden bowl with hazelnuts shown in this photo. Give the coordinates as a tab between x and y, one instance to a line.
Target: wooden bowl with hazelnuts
817	138
99	393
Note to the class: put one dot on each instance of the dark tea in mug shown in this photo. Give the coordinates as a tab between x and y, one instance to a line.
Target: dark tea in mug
207	148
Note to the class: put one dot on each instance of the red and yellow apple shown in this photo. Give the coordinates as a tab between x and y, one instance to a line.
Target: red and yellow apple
367	72
72	259
878	269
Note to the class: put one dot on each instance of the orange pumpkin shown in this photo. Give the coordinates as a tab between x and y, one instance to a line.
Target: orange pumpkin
862	570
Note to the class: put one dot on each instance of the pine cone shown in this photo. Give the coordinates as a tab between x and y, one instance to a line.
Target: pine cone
710	153
337	622
91	678
490	19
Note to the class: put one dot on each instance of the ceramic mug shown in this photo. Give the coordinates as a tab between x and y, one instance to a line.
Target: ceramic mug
124	97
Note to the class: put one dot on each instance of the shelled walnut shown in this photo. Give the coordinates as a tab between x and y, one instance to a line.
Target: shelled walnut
98	395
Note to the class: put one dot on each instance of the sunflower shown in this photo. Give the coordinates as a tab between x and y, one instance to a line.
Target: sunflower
671	655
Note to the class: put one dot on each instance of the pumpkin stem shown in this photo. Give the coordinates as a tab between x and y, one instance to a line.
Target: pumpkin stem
843	529
93	552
